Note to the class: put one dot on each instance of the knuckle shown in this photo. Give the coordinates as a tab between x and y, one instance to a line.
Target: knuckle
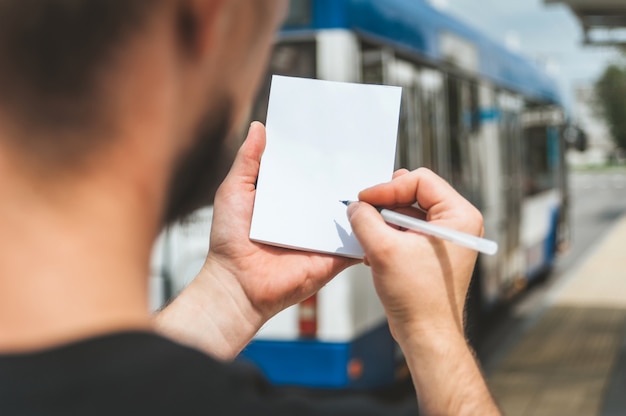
423	171
474	220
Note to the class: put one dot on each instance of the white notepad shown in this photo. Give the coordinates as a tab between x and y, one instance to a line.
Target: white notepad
326	141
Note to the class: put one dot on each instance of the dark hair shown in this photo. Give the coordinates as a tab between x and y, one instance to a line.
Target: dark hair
51	52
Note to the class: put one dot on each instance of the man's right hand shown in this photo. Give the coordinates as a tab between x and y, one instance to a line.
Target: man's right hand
423	282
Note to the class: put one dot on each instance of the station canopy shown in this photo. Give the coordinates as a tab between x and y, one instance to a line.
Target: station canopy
603	21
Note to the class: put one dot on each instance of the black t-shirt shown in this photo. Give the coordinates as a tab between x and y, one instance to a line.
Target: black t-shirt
138	373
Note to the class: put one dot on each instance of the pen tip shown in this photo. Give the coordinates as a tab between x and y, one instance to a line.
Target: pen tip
346	203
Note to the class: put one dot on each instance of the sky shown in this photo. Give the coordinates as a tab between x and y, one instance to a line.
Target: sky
549	34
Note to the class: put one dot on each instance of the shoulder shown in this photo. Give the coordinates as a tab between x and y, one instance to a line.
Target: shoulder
124	374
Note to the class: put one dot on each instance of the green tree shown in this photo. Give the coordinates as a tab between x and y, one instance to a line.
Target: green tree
611	101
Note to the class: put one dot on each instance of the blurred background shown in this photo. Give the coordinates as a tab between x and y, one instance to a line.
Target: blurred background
521	105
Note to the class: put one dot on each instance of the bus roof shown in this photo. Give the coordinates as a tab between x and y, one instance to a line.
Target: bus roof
417	27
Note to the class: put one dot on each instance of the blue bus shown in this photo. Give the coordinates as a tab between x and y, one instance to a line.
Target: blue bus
486	119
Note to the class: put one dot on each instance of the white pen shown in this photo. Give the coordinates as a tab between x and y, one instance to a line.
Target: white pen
466	240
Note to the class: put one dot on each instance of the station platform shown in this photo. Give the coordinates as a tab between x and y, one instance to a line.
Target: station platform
572	359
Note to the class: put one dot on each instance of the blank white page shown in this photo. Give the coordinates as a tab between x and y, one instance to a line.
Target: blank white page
326	141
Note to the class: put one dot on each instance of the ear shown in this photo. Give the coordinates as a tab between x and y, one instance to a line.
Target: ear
199	24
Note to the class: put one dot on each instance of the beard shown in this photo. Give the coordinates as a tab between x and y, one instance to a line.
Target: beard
200	170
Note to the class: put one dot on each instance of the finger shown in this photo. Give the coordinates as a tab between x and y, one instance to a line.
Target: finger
412	211
370	228
400	172
245	169
421	186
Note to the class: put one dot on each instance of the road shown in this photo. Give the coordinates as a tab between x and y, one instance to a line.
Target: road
598	199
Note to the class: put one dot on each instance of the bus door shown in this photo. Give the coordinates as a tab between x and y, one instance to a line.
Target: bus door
511	185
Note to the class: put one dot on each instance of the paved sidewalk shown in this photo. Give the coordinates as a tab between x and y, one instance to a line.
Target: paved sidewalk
566	363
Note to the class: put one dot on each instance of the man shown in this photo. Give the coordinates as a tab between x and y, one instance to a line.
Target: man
113	115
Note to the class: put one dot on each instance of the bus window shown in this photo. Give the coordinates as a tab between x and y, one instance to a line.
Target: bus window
297	59
462	124
409	143
542	161
433	121
457	106
510	135
404	74
374	63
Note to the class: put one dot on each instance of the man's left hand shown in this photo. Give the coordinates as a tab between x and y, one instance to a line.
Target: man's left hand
242	283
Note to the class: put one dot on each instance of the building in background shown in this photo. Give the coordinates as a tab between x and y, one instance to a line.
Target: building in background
599	145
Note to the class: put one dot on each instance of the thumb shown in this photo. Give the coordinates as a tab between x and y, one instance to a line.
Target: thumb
245	169
370	229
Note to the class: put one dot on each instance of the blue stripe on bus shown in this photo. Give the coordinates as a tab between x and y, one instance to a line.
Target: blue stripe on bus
551	241
325	364
489	114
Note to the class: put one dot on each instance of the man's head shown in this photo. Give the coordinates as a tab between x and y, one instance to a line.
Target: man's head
81	79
